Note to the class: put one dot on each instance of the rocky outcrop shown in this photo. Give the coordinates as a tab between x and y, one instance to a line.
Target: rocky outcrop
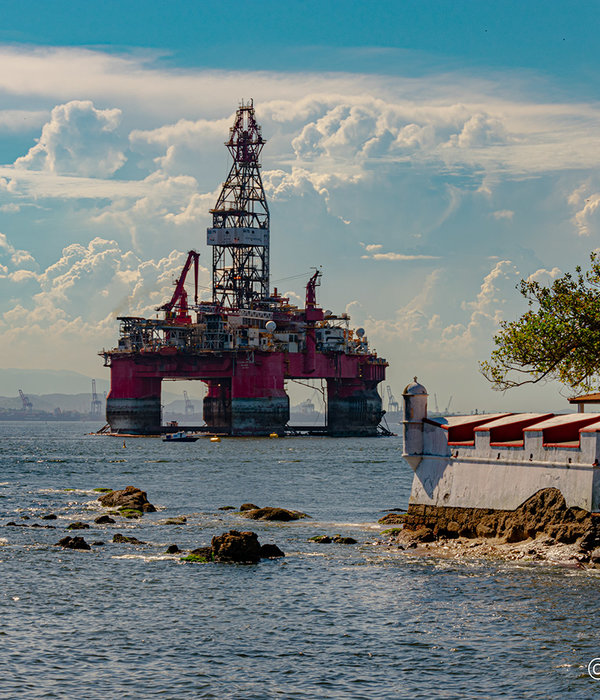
248	506
545	513
124	539
128	499
238	547
234	547
172	549
281	514
73	543
78	526
337	539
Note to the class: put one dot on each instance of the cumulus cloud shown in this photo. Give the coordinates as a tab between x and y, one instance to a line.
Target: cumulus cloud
78	140
78	298
586	218
544	277
15	264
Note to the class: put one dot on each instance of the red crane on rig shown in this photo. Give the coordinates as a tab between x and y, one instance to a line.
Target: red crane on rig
247	342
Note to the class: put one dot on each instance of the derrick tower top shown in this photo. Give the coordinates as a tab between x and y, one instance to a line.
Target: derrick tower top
240	229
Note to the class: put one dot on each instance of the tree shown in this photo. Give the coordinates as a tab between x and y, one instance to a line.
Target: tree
558	338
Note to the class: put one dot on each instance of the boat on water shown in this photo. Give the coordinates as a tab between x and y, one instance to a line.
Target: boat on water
180	436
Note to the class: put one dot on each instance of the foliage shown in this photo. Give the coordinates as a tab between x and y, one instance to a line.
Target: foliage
557	338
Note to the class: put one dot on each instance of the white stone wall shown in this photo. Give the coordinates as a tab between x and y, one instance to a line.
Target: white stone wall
498	476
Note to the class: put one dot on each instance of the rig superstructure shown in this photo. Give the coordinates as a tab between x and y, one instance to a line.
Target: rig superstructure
247	341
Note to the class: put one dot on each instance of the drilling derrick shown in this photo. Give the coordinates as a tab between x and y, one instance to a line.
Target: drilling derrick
240	232
247	341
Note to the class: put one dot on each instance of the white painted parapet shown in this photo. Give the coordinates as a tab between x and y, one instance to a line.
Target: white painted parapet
498	461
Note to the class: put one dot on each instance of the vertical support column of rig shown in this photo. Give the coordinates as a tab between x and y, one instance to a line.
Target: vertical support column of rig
254	402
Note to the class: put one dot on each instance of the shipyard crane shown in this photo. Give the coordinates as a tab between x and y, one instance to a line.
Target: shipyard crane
437	408
189	406
393	405
27	405
448	406
179	299
96	405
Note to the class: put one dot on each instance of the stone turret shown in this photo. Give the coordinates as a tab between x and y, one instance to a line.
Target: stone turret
415	411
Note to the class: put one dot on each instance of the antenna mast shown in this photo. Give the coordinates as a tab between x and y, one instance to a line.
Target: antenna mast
240	230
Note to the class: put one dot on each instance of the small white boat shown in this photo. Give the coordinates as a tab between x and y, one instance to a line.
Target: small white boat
180	436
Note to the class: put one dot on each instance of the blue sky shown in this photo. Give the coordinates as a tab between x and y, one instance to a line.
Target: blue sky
427	154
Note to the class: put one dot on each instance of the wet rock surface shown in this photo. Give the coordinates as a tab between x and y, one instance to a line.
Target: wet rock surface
78	526
336	539
270	551
269	513
130	498
73	543
172	549
248	506
177	520
235	547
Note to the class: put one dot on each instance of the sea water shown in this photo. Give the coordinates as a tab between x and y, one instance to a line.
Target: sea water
326	621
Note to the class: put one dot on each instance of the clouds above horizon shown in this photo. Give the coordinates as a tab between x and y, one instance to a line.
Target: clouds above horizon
431	196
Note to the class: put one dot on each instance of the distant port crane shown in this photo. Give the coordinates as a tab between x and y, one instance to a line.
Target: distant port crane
189	406
393	405
27	405
96	405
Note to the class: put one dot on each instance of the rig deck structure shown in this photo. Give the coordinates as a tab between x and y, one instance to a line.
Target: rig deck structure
247	341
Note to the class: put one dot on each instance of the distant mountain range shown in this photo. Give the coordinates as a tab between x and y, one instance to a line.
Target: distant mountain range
50	381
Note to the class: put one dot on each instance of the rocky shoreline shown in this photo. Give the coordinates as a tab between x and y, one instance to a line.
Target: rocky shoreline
541	529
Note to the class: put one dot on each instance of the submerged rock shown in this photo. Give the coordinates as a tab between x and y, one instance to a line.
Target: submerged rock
229	507
73	543
130	498
321	539
270	551
269	513
338	539
50	516
78	525
178	520
104	520
124	539
172	549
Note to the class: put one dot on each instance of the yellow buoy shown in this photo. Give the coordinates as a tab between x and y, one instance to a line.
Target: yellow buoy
124	445
215	438
272	435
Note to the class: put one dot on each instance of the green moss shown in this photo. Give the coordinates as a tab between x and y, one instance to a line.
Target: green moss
103	490
69	489
392	531
130	513
195	558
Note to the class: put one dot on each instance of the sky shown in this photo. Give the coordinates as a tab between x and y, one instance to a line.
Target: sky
427	154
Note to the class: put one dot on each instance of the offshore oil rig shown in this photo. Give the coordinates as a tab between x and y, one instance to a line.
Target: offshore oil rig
247	341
